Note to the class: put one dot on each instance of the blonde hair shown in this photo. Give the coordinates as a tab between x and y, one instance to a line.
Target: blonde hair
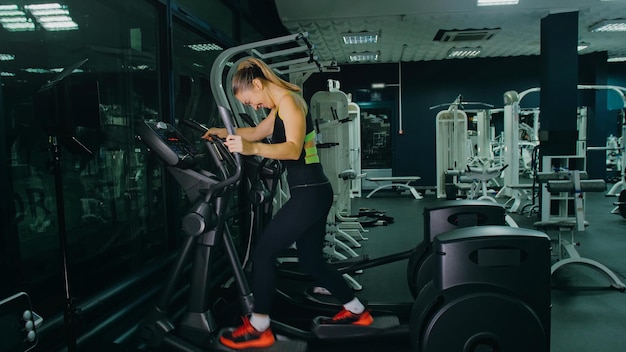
252	68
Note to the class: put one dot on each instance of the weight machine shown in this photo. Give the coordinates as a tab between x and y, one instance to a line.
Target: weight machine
453	151
451	137
512	187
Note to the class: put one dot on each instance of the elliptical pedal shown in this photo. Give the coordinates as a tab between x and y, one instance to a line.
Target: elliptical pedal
331	331
282	344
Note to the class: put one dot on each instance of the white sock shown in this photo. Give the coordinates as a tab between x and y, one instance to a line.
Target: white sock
260	321
355	306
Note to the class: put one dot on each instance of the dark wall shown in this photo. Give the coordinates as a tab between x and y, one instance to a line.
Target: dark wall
616	75
426	84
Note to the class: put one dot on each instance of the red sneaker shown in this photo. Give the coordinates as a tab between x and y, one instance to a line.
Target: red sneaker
246	336
347	317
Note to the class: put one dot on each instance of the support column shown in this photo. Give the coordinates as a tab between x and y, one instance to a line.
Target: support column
559	80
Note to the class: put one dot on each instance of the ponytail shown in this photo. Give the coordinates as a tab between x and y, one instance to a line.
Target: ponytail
252	68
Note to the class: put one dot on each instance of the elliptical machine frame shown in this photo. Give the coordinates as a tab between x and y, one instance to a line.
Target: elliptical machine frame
204	228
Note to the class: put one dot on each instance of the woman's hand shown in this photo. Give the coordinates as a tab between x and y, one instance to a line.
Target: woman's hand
236	144
213	131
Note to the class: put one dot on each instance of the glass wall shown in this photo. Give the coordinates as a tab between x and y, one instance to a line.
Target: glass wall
213	12
75	180
83	191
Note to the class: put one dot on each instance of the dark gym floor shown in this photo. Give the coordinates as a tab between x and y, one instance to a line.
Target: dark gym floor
587	314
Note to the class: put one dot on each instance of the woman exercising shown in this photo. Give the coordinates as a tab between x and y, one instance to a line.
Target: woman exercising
302	219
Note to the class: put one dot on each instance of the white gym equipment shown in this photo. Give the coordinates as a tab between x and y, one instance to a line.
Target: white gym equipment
478	178
338	123
512	187
563	182
451	137
354	114
561	186
455	148
335	130
396	182
329	110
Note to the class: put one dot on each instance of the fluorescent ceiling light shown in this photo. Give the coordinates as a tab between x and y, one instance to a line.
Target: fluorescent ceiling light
582	46
7	57
50	12
51	16
364	56
36	70
55	19
60	69
7	74
8	7
463	52
360	38
618	25
11	13
52	70
14	20
496	2
19	26
139	68
59	25
44	6
205	47
617	59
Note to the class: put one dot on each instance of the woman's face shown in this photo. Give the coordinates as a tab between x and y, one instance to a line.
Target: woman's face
255	96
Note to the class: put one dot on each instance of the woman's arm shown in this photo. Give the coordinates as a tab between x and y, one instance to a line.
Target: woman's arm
293	118
264	129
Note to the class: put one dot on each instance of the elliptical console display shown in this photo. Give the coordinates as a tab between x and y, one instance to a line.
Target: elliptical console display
169	144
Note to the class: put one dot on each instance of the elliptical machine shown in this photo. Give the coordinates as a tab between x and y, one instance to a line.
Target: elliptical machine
205	228
490	291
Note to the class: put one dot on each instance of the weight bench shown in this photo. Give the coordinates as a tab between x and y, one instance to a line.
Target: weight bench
396	181
577	184
567	253
477	178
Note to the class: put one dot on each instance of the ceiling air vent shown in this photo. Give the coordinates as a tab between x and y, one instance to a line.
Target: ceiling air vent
465	35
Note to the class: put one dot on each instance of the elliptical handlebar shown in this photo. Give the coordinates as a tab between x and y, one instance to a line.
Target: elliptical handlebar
194	124
222	152
229	123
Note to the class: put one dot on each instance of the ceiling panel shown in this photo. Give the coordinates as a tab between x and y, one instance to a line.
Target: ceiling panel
407	28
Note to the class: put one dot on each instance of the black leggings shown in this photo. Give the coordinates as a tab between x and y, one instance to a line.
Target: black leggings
302	219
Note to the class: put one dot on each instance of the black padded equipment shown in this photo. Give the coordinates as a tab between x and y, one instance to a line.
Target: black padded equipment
490	292
446	216
379	327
